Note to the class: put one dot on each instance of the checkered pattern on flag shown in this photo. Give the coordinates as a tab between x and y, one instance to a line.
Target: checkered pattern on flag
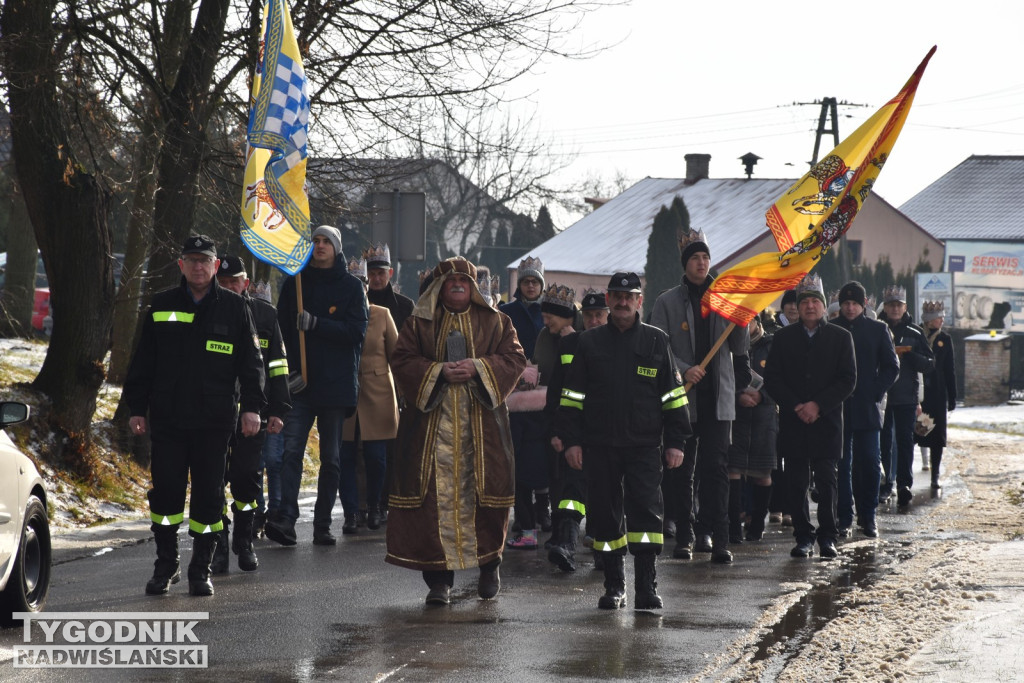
275	207
814	213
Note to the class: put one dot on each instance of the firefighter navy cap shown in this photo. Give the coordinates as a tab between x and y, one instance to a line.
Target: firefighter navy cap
231	266
199	244
625	282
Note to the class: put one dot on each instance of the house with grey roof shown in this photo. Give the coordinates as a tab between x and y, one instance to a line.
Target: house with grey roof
976	210
731	211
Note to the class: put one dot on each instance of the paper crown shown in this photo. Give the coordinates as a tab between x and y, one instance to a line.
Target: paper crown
931	310
424	274
560	295
871	302
260	290
484	285
357	267
377	255
496	287
894	293
531	267
833	297
810	286
691	236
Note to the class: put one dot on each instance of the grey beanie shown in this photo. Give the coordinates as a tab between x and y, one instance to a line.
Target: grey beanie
331	233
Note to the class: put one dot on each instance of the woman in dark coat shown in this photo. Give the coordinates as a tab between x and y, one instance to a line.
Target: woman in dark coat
939	386
752	453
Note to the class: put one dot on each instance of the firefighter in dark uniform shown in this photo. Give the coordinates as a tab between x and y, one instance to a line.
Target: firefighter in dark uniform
197	360
623	398
572	489
243	468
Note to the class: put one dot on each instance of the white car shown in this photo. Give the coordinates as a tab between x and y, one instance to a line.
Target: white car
24	527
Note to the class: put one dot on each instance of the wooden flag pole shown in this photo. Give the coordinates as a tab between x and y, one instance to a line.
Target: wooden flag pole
302	334
711	354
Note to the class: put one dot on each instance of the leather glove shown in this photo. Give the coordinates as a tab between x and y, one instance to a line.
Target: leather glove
306	321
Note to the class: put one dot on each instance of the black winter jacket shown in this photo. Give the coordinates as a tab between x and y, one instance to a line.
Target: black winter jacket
189	358
877	369
335	346
915	356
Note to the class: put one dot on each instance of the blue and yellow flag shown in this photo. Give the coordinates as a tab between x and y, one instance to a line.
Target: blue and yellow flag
275	207
814	213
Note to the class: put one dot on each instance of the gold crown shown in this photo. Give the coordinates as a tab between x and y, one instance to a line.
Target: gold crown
424	274
357	267
934	308
689	236
377	253
560	295
894	293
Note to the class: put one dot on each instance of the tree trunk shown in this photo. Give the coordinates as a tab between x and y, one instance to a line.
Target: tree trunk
68	208
20	272
187	111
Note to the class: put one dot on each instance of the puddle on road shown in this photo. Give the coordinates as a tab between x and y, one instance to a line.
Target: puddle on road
862	568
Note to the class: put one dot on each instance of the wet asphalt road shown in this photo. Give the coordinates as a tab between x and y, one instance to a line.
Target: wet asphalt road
341	613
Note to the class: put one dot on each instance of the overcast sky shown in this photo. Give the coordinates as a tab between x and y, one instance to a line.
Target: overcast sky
721	77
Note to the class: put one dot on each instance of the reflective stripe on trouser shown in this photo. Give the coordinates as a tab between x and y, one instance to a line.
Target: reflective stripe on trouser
180	456
624	483
569	489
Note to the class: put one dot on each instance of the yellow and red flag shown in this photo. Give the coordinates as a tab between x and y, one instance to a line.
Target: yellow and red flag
275	206
814	213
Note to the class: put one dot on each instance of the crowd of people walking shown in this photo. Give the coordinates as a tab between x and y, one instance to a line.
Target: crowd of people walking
468	427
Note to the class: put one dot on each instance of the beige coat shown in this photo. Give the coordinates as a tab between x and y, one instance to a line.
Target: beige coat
377	410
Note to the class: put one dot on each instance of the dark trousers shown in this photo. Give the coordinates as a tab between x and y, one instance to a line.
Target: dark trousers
799	470
532	469
897	446
624	483
859	475
243	468
711	479
296	433
568	489
677	488
375	455
178	455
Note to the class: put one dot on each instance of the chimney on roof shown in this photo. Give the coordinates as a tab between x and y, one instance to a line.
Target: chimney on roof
697	167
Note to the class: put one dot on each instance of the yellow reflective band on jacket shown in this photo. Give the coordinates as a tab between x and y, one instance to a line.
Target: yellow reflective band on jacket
574	505
674	399
645	537
566	358
245	507
201	528
608	546
572	399
277	367
264	343
167	520
219	347
173	317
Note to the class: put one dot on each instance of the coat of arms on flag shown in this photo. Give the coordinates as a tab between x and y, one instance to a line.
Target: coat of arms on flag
814	213
275	206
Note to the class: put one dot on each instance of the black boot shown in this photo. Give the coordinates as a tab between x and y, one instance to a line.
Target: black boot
762	495
563	554
645	582
220	556
241	542
735	511
542	509
165	570
373	518
203	547
614	582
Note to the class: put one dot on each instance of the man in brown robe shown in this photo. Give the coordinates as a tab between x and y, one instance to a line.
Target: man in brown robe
452	482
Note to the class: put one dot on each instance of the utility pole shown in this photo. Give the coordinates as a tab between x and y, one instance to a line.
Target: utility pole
830	110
